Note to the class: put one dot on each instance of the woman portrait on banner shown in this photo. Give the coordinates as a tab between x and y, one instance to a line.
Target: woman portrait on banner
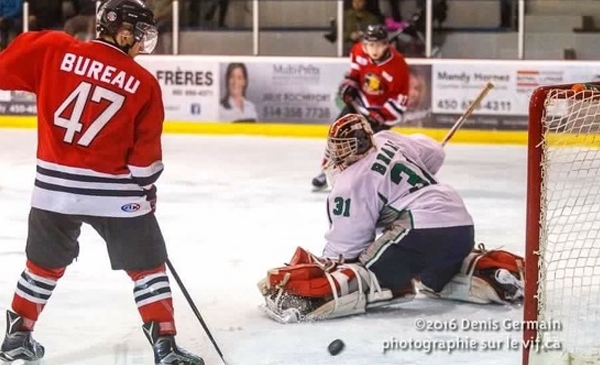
234	107
419	97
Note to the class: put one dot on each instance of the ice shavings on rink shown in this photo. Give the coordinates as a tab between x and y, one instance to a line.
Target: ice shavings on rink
233	207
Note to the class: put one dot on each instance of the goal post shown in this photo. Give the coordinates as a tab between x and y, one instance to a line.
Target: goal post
562	255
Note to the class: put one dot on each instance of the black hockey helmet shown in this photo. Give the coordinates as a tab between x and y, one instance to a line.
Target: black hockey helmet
375	32
114	13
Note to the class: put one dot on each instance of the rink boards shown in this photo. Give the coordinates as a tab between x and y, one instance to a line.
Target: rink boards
300	130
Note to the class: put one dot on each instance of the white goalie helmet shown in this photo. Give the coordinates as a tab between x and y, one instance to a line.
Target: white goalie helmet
350	139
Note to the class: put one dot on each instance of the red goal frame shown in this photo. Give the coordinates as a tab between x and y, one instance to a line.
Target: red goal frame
535	154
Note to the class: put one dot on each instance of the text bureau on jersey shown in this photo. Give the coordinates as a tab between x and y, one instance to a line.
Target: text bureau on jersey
97	70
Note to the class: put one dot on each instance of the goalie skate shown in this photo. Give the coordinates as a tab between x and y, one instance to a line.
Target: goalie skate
290	315
390	302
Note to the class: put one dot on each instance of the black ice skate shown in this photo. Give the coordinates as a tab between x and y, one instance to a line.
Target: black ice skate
319	182
19	345
166	352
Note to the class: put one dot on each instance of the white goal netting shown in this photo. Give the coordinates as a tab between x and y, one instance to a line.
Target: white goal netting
569	276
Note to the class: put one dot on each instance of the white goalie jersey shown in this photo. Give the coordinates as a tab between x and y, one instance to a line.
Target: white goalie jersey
395	181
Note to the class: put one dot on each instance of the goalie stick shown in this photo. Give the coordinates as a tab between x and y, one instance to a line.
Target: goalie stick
190	301
467	113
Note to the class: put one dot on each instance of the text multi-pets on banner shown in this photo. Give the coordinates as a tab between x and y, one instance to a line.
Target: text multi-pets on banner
298	90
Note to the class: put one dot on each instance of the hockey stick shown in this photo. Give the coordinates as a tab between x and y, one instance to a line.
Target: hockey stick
459	122
195	310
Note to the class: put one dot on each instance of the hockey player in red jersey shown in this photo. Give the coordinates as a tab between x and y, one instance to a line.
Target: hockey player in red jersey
377	85
100	117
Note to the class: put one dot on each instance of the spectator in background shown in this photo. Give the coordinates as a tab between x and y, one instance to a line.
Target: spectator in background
223	5
356	21
372	6
163	14
82	23
395	10
234	106
11	23
45	14
193	11
506	13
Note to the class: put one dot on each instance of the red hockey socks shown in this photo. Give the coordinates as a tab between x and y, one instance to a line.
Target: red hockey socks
152	294
34	288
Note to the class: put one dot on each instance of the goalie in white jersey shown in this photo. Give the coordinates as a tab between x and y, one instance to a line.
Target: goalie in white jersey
392	223
387	180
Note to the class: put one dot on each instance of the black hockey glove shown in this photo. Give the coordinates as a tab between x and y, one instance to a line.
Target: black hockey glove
349	90
151	197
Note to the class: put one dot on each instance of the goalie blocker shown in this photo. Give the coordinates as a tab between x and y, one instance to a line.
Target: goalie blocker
311	288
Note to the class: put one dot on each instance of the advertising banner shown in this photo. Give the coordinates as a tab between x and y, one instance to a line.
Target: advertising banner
190	86
17	103
506	107
301	90
292	91
456	85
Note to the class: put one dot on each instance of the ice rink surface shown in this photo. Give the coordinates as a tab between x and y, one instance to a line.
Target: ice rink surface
231	208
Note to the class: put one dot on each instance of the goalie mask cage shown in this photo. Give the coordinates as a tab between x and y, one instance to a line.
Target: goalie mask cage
562	265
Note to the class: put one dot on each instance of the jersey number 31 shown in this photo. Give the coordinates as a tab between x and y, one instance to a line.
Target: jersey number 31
80	97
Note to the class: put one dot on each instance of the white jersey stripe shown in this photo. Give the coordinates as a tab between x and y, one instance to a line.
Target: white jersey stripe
102	206
87	185
72	190
79	171
146	171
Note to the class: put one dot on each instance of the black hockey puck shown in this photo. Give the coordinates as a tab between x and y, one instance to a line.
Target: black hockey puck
335	347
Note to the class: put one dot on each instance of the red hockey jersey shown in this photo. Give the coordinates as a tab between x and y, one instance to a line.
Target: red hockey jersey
383	85
100	117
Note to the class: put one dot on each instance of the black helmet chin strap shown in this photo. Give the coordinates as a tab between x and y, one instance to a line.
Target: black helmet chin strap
126	48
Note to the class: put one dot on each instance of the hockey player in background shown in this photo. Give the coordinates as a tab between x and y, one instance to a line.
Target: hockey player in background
392	224
100	117
376	86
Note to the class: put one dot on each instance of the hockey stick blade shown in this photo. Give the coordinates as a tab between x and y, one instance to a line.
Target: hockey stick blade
459	122
190	301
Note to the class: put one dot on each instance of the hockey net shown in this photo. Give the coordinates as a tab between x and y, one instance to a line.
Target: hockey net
562	293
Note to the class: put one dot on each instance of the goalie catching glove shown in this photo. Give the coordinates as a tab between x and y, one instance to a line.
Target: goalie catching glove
312	288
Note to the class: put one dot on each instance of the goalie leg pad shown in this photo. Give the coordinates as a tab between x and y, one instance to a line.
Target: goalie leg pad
494	276
312	288
464	288
306	292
